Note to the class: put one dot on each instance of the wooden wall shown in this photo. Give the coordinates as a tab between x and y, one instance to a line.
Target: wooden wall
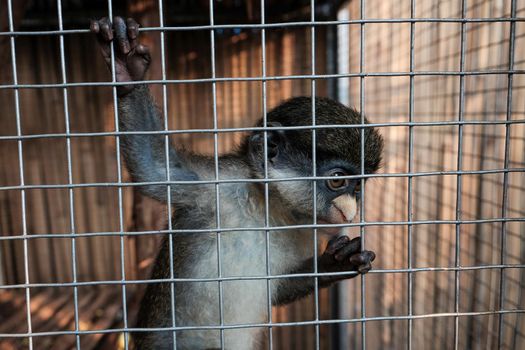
437	47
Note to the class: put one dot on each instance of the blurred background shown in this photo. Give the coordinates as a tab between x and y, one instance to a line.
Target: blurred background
418	218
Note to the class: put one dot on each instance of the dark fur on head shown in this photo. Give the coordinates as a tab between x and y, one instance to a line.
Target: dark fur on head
336	143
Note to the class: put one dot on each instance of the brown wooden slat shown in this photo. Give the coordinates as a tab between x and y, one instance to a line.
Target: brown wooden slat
91	302
62	317
17	322
106	320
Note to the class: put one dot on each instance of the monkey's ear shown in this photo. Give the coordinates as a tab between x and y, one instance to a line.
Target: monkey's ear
274	139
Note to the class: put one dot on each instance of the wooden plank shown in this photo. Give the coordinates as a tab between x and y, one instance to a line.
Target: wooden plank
17	322
45	317
104	317
92	302
87	212
18	10
61	317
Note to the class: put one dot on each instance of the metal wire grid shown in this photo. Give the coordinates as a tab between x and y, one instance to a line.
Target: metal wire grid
264	78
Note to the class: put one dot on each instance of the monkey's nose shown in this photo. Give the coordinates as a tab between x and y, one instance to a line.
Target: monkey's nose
347	206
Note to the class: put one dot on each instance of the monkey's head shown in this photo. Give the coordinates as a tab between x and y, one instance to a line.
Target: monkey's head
338	153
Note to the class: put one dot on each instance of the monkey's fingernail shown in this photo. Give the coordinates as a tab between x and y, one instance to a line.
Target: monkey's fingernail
106	31
132	32
364	268
94	26
142	49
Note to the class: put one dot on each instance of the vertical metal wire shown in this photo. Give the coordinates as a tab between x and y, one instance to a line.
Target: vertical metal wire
314	173
216	160
410	170
503	251
69	173
168	178
341	308
266	189
119	181
457	262
21	170
362	202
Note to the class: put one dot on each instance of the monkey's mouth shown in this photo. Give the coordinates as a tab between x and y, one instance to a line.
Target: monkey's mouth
339	214
329	230
335	216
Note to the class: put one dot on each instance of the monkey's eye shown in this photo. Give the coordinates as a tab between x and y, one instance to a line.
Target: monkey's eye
337	184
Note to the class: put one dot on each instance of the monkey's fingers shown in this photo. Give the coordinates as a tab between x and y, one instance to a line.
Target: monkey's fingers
104	35
144	52
121	35
133	32
336	244
363	261
352	247
106	31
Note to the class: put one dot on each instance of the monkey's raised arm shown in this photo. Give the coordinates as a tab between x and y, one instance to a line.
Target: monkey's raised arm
145	155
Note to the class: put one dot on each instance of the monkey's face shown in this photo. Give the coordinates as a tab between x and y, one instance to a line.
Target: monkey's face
336	197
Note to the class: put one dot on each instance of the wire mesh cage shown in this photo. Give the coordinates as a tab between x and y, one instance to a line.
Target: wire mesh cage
442	81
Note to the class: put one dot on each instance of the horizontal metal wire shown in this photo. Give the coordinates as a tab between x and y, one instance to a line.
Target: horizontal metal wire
279	25
268	324
266	78
271	228
261	181
260	129
252	278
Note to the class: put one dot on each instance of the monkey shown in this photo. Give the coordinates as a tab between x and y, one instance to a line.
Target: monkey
203	306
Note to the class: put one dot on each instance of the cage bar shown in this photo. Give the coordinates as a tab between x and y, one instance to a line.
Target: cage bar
21	170
69	173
